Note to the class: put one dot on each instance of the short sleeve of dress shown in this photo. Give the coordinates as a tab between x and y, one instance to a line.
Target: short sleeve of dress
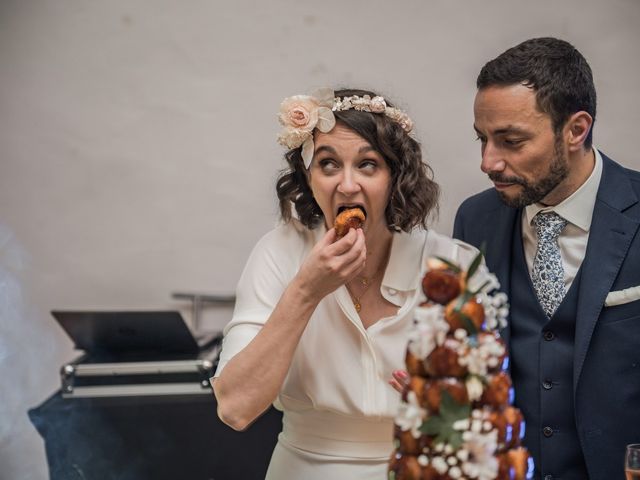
272	264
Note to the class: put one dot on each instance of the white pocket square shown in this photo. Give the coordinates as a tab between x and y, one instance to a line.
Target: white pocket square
621	297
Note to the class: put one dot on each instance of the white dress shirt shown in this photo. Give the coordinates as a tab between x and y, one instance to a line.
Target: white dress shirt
577	209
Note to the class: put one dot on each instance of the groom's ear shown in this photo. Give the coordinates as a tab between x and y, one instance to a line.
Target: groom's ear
576	130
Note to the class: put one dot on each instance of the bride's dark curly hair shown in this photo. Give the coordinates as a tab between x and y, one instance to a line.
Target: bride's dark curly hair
414	194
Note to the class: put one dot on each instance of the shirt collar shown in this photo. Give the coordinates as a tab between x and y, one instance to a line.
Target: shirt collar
578	207
403	269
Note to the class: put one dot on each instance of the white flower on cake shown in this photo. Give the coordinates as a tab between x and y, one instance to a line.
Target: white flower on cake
481	463
411	415
474	388
483	281
461	425
460	334
462	455
440	465
500	299
484	356
496	310
455	472
430	330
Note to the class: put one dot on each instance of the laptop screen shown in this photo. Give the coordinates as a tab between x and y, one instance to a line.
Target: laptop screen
127	331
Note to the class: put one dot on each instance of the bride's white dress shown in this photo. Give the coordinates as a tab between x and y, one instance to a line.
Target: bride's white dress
337	403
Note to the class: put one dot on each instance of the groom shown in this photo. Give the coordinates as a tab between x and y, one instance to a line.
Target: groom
561	233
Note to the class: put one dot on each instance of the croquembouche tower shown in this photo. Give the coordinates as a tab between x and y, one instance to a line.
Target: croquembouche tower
456	420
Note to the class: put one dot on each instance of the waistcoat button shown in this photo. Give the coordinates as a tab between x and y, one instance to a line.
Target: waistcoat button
548	335
547	385
548	477
547	431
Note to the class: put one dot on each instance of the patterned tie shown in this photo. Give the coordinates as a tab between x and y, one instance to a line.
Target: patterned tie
548	273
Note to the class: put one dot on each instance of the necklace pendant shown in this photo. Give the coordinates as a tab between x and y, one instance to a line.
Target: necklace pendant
358	306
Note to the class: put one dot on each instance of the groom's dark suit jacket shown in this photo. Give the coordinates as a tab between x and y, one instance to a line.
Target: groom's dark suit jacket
604	362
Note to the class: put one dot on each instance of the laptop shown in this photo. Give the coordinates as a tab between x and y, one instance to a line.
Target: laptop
131	335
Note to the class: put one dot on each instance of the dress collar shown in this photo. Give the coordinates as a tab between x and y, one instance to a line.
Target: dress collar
403	269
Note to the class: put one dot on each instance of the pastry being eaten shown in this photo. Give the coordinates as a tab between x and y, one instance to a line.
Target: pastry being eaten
349	218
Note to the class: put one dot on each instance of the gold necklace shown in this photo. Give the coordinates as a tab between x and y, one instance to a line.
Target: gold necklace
366	283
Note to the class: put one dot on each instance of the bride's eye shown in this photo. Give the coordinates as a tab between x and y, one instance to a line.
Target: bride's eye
327	164
368	164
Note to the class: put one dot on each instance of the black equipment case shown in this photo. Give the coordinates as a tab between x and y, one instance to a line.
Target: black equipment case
138	405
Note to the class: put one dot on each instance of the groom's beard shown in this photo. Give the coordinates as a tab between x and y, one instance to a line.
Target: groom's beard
533	192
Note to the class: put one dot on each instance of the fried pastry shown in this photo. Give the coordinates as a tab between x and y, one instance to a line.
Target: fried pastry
349	218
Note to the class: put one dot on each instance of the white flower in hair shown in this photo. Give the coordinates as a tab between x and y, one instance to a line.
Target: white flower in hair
378	105
300	115
400	117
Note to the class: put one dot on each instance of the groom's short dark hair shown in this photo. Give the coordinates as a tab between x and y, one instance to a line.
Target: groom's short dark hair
557	72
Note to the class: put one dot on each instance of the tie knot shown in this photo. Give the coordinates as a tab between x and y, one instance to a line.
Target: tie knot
548	225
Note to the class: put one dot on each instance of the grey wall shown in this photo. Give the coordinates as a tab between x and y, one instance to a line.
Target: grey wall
137	141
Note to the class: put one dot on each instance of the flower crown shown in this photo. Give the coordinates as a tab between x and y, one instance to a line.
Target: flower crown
301	114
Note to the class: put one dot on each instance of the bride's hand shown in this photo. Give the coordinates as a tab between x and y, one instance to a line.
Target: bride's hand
332	263
399	379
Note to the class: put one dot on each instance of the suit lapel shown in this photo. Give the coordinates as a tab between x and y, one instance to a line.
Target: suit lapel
497	236
609	240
